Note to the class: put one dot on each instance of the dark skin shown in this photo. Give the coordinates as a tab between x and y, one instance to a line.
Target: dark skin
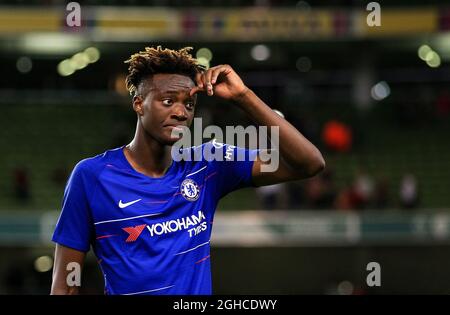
168	100
299	158
167	103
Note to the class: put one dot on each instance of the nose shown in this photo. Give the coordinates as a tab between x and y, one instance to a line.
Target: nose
179	112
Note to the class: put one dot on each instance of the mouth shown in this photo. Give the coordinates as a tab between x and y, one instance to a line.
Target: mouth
176	131
180	127
175	124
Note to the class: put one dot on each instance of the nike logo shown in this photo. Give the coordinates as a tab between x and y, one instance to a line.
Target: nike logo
124	205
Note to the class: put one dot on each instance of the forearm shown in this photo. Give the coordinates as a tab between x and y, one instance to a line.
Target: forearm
295	150
60	285
67	269
64	290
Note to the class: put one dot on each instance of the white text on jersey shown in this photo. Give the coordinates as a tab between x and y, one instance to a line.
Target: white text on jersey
180	224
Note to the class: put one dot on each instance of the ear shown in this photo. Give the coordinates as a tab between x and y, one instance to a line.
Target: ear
138	105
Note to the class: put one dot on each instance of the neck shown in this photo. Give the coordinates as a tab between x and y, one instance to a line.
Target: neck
146	155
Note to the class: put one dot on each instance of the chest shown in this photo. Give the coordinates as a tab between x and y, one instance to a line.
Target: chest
121	196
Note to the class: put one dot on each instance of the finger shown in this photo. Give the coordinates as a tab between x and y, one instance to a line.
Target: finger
215	74
198	79
209	86
195	89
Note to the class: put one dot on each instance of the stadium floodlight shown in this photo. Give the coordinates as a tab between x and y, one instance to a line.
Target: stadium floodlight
93	54
49	43
203	61
380	91
65	68
260	52
80	60
43	263
24	64
433	60
303	64
204	53
423	51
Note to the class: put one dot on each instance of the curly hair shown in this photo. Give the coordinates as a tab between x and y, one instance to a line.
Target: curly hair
158	60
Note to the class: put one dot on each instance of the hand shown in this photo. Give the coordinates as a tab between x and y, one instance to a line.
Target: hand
221	81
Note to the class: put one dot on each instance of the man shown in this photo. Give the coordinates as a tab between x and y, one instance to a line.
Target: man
148	217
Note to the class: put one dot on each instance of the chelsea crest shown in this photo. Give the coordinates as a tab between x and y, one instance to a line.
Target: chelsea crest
189	190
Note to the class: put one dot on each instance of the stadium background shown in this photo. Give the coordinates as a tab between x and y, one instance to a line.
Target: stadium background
375	100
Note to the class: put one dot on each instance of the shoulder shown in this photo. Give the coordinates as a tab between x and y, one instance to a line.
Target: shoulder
215	151
209	151
93	166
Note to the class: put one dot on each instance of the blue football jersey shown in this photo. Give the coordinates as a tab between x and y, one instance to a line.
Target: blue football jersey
150	235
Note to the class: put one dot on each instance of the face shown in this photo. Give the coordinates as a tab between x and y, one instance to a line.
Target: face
165	105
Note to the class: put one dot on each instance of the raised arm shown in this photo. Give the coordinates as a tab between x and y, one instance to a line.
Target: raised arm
68	262
299	158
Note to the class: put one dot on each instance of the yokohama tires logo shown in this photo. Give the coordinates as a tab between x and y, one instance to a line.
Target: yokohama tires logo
134	232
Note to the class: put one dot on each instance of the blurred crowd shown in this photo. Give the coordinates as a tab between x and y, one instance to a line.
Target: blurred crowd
321	192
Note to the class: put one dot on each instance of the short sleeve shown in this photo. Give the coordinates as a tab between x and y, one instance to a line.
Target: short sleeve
74	228
235	169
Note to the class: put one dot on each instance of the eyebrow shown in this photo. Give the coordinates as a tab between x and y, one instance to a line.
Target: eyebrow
170	92
174	92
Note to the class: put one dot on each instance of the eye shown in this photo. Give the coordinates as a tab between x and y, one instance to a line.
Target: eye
190	105
167	102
